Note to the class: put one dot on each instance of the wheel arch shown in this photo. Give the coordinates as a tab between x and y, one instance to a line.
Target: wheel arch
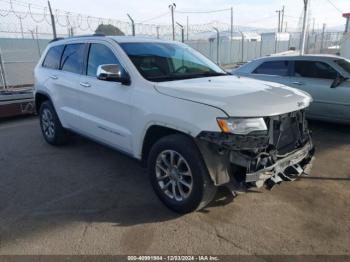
41	97
152	135
217	165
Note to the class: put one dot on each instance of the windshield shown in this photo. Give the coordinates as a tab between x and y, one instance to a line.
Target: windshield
343	64
167	61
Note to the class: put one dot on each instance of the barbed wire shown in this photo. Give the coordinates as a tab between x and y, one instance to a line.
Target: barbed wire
31	15
202	12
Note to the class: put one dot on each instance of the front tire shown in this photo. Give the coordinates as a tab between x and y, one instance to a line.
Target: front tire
51	126
178	174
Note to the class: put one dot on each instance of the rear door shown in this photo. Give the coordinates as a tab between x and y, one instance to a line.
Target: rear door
105	105
316	78
275	71
65	84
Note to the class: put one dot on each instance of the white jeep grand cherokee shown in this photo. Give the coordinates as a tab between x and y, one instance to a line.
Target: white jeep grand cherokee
192	124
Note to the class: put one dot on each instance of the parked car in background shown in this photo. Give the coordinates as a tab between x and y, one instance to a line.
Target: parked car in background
195	126
324	77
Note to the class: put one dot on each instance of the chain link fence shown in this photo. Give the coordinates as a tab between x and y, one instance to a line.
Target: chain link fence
26	29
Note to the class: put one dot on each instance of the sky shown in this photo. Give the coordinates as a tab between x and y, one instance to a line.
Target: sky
252	13
246	12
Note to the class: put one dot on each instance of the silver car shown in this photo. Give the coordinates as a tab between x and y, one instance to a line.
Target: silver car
324	77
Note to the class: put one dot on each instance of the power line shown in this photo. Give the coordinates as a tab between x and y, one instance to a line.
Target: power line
203	12
259	20
154	18
340	11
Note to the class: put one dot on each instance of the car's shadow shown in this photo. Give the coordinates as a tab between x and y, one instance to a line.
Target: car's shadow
44	187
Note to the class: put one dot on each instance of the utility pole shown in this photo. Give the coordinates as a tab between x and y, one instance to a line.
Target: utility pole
313	25
242	34
217	45
322	37
68	28
37	40
172	7
132	25
21	26
303	35
2	72
157	31
281	29
231	33
187	29
52	21
32	33
231	29
279	21
182	32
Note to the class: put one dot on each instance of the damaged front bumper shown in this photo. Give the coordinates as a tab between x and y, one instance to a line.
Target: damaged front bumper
282	153
287	168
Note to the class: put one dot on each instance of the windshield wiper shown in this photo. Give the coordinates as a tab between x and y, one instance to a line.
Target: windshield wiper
213	74
185	76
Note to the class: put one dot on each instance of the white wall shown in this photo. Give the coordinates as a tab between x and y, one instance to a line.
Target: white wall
345	46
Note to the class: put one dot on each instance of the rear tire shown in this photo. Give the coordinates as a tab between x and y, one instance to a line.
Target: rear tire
51	126
178	174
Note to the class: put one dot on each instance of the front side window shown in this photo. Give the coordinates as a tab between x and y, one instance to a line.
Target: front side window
344	64
277	68
314	69
53	57
169	61
99	54
72	58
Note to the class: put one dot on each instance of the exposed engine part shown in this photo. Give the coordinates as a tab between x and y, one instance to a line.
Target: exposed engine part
236	142
282	153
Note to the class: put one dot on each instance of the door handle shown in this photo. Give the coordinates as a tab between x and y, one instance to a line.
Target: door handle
54	77
85	84
297	83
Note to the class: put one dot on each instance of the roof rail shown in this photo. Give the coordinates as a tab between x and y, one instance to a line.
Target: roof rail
75	36
56	39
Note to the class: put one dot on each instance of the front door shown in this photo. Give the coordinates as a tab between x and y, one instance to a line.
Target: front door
105	105
316	78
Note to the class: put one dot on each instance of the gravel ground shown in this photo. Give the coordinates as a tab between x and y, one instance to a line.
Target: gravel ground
84	198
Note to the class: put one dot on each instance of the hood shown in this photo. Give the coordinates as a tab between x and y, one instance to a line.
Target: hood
238	96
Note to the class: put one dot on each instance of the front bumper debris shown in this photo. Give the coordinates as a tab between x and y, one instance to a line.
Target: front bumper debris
287	168
282	153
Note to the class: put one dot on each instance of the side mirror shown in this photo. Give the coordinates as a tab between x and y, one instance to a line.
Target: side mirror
338	81
114	73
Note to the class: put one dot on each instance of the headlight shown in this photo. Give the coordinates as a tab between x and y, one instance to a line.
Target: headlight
241	126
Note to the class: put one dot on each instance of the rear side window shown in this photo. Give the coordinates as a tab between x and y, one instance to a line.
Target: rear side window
278	68
314	69
99	54
53	57
72	58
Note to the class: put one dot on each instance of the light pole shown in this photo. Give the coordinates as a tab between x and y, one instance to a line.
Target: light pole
182	32
52	21
279	21
172	7
132	24
303	34
217	45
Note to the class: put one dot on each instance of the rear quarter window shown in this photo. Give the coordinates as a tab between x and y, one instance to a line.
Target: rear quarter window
277	68
53	57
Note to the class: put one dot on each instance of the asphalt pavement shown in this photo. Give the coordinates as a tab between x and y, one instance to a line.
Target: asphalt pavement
84	198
